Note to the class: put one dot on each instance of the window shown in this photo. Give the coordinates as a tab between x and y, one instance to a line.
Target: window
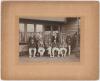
30	30
21	27
39	28
30	27
47	27
55	28
21	33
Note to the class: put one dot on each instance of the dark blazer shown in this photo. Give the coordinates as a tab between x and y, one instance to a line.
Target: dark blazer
53	38
68	40
32	42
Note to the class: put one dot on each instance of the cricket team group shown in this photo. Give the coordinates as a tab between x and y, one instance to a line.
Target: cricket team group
54	47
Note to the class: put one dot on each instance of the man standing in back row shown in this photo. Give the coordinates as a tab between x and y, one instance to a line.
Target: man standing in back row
68	41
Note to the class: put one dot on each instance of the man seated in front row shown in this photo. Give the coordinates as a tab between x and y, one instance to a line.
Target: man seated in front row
55	44
32	46
41	49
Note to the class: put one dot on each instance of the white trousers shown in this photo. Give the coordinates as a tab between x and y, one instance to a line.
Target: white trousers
30	52
55	49
69	49
41	50
61	51
49	51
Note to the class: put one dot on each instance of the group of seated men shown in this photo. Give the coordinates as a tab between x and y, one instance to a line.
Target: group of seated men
54	48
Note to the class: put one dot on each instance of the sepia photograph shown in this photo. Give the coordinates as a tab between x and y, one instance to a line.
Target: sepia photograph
49	39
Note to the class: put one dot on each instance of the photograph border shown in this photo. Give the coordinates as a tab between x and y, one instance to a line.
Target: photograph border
86	69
